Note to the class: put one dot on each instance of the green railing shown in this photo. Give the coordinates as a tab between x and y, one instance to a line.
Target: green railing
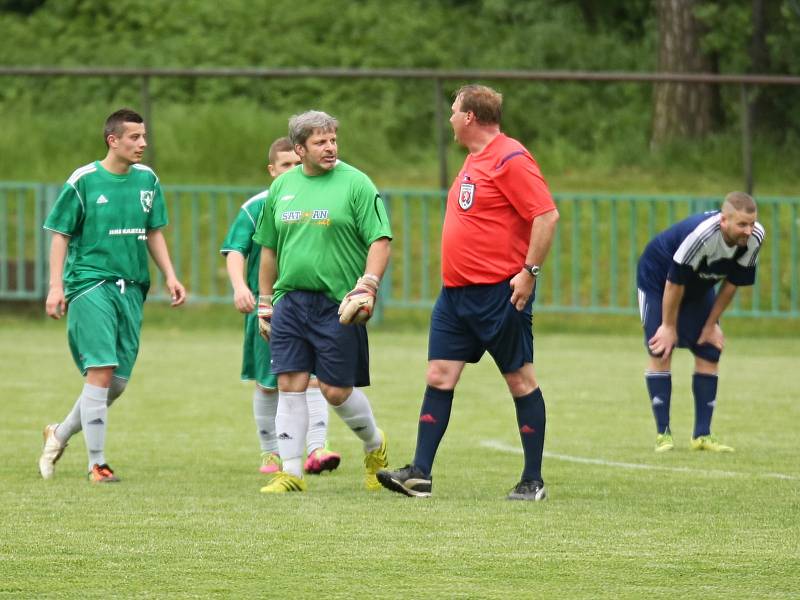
591	268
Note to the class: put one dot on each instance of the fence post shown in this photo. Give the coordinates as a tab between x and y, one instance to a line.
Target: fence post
440	137
147	114
747	139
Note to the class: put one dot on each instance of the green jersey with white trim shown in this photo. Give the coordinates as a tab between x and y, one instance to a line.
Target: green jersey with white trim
240	237
107	217
321	228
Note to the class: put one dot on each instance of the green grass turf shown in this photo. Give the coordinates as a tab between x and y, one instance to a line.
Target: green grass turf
188	521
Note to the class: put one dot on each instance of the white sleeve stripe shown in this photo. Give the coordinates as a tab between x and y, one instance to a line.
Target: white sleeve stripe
80	172
146	168
695	240
249	216
56	231
77	193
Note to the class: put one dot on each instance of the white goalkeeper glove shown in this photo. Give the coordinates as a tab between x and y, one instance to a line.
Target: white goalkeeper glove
357	306
264	313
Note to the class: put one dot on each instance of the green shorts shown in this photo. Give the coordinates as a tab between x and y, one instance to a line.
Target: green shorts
256	355
103	325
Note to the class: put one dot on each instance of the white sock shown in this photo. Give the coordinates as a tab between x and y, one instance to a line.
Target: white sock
357	415
265	405
317	419
291	424
94	413
72	422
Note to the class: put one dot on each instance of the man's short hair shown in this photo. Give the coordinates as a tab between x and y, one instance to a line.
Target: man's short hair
303	126
282	144
483	101
115	123
739	201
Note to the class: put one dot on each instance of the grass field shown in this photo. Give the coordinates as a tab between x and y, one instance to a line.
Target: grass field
188	521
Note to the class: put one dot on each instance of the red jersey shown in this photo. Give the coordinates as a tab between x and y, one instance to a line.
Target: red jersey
490	210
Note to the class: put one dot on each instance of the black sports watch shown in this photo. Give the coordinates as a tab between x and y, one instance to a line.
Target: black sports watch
534	270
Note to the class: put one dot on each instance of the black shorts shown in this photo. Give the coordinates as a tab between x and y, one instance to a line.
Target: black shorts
692	316
468	321
307	337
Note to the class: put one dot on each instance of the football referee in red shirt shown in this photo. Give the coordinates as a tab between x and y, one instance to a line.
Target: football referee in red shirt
498	229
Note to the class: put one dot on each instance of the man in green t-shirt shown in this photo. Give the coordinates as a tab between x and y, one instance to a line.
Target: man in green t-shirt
237	248
106	220
325	240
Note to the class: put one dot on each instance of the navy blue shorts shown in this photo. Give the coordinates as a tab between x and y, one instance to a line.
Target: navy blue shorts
468	321
307	337
692	316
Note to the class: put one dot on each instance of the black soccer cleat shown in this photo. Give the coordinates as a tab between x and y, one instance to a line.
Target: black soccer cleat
409	481
529	490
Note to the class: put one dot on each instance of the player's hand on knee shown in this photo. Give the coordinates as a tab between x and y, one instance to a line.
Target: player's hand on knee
264	312
712	335
663	342
358	305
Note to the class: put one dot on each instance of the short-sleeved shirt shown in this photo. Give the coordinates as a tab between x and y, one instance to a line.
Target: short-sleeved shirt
321	228
107	217
240	237
490	210
693	253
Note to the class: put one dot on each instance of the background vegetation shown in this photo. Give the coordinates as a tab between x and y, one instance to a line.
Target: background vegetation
586	136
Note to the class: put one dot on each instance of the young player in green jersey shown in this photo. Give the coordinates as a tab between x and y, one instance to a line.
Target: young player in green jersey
323	231
106	220
237	248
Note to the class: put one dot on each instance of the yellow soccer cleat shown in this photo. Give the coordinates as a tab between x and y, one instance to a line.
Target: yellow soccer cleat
664	442
284	482
374	461
709	443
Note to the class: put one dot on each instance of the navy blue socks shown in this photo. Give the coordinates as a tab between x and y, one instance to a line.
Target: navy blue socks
531	419
433	419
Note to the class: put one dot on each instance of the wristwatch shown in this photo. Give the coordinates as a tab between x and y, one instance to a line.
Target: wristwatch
534	270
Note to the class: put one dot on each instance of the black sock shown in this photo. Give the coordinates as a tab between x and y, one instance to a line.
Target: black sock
531	419
704	387
659	387
433	419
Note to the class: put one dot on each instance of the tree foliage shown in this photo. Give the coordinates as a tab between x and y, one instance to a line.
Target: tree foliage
586	35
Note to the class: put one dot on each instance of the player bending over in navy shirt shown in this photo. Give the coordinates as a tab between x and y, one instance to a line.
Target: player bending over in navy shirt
680	305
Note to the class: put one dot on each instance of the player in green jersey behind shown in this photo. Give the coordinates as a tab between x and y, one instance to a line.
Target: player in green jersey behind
239	248
323	231
106	220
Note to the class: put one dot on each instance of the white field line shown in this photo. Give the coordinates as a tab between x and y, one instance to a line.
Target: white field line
502	447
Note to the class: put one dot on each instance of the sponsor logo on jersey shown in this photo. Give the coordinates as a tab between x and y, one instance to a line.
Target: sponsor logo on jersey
146	198
466	196
102	199
294	216
127	231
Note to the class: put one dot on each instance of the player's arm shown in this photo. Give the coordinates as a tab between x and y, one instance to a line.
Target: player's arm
712	332
267	274
56	304
543	231
157	246
359	303
378	257
666	336
243	298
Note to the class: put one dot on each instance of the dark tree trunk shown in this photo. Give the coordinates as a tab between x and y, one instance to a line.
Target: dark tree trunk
681	109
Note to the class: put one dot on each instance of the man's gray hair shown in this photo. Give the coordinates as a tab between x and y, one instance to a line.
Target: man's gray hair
303	126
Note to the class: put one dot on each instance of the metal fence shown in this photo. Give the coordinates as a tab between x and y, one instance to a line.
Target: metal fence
591	267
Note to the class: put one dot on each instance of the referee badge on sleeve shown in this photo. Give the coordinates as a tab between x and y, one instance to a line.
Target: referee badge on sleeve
466	196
